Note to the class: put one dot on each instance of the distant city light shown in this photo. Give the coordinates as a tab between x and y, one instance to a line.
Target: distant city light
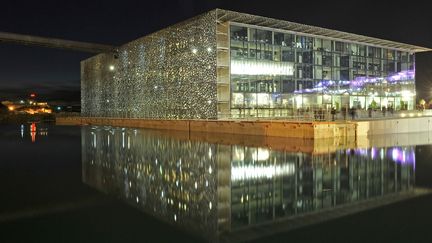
32	95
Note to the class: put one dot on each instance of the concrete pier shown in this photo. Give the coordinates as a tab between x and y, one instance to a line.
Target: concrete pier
271	128
274	128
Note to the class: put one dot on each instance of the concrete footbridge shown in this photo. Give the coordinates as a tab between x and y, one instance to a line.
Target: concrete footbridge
30	40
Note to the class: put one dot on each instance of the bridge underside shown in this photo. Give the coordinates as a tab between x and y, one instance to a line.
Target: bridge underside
30	40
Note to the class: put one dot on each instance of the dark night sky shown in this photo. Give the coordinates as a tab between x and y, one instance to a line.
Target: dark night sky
55	73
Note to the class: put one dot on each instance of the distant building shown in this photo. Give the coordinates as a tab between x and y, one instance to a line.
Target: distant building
224	64
27	107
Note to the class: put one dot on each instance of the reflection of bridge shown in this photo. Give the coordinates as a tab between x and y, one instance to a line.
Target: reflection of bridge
30	40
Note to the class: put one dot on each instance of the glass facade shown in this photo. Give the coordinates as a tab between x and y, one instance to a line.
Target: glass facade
210	67
274	73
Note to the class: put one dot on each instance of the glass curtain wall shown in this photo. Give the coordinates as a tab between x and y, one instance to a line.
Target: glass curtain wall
276	73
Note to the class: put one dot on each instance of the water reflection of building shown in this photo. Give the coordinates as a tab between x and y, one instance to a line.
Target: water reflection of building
215	188
171	179
281	184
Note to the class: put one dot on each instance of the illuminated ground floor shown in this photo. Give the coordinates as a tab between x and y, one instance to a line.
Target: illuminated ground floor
286	105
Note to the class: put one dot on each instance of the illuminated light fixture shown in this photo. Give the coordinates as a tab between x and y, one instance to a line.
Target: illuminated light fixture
194	51
11	108
209	49
254	67
111	67
411	114
249	172
402	114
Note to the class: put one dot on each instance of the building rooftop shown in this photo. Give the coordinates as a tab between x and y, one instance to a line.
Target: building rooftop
248	19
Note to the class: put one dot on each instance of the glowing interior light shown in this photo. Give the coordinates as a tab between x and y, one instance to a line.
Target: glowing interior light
406	94
238	154
373	153
210	153
261	154
249	172
263	99
111	67
299	100
395	154
254	67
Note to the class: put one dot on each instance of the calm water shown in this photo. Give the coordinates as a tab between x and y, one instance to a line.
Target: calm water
105	184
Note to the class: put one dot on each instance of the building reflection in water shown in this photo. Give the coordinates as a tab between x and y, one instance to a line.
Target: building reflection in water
213	187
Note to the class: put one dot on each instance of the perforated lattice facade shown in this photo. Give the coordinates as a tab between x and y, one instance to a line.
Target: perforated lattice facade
170	74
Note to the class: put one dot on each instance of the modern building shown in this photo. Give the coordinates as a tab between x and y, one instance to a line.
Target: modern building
224	64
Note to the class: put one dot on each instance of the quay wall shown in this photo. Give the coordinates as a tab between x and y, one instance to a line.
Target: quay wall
291	129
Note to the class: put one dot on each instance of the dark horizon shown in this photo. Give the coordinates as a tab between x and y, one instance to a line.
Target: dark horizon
55	74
